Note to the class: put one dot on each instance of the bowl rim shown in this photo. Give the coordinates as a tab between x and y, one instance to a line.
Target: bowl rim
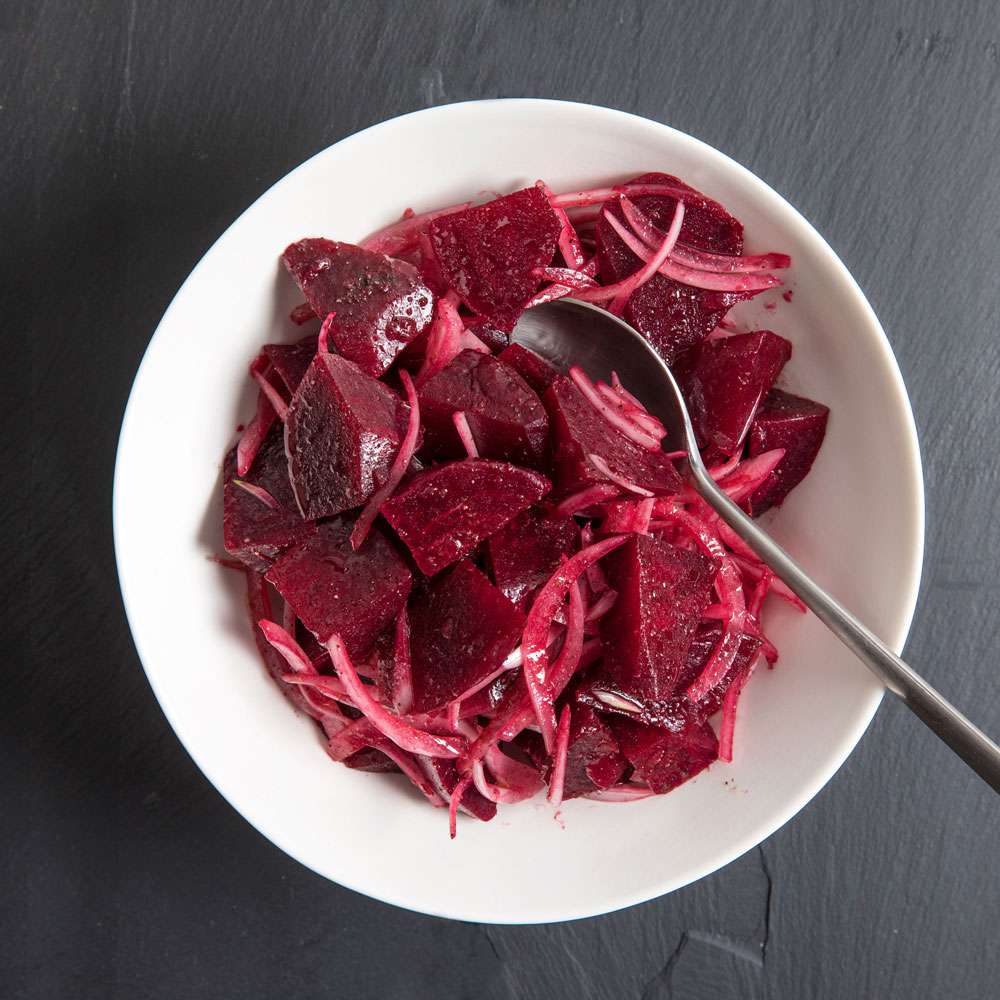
915	495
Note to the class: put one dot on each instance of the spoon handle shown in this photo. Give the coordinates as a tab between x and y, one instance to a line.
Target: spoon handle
966	739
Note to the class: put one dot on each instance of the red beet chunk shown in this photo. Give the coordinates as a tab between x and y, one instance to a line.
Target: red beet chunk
445	776
442	514
381	303
505	415
796	424
671	316
662	591
291	361
527	551
536	371
371	759
489	253
332	588
461	630
342	432
254	532
578	431
662	758
727	382
593	760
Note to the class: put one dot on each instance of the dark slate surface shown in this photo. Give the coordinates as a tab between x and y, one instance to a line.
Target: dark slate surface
131	136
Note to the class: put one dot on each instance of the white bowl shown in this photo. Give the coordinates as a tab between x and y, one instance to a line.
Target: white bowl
856	523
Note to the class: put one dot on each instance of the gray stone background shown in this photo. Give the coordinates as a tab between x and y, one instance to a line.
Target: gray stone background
131	135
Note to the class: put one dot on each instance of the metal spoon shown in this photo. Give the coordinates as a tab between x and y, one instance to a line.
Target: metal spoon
569	332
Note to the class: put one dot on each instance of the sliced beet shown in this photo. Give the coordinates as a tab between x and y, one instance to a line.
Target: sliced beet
727	382
446	777
505	415
796	424
371	759
489	253
343	430
252	530
495	337
291	361
662	592
663	758
332	588
443	513
461	630
535	370
528	550
593	760
578	431
381	304
671	316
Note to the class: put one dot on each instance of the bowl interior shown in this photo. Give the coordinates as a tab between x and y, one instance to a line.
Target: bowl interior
856	523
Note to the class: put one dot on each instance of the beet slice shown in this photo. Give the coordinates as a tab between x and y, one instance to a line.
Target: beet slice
504	413
445	512
796	424
445	775
461	630
343	430
671	316
252	531
578	431
489	253
291	361
663	758
662	592
332	588
528	550
381	304
535	370
593	760
371	759
727	382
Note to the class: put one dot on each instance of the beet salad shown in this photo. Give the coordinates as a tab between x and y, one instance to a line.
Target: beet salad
491	575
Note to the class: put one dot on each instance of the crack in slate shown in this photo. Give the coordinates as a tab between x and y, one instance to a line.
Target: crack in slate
767	902
663	977
738	949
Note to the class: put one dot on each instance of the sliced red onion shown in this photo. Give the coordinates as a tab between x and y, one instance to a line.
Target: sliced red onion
258	492
402	669
569	243
558	780
401	236
468	341
593	196
611	413
711	280
587	497
396	471
461	422
533	641
626	792
566	276
401	733
654	262
254	434
323	338
700	260
626	484
548	294
444	341
274	397
456	797
602	605
750	474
